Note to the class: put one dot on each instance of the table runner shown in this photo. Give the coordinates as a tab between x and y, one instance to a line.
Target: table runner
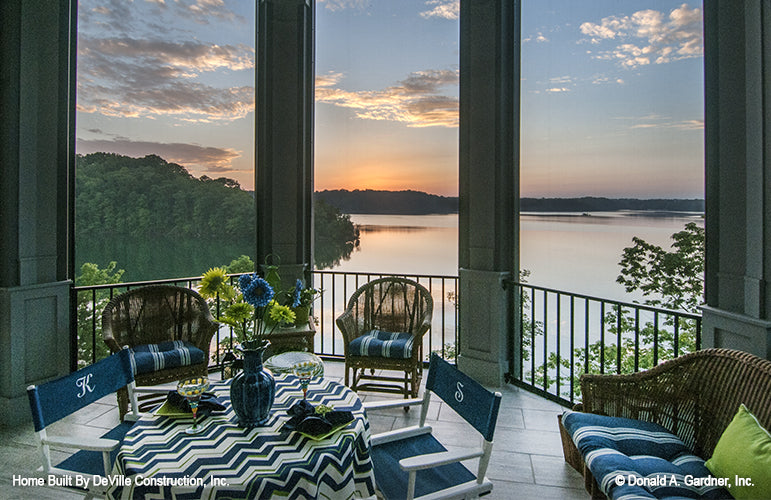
158	460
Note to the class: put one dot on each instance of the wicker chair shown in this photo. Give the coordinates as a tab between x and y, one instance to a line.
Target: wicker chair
154	314
694	396
396	305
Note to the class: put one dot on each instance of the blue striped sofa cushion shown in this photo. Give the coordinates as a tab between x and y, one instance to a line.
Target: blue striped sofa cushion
153	357
635	459
382	344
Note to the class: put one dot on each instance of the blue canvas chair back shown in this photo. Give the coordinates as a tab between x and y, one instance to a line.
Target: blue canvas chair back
478	406
58	398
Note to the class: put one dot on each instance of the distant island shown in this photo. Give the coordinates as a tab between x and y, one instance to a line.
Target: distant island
419	203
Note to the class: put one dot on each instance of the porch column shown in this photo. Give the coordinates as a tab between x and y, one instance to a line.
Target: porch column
738	175
284	135
488	225
37	47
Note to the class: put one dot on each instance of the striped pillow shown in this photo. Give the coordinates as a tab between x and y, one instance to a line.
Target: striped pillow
154	357
377	343
635	459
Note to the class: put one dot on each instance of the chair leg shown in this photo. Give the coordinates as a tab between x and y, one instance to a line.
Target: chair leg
123	402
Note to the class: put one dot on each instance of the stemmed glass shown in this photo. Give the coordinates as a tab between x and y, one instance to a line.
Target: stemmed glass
304	370
192	389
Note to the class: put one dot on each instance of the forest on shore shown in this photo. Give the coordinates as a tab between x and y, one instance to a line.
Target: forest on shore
138	211
411	202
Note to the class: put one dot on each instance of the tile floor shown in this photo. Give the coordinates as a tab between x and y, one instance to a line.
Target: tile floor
526	462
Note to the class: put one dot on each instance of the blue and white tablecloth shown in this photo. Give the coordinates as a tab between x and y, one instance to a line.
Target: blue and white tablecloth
159	460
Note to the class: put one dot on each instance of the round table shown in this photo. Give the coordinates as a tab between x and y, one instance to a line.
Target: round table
158	459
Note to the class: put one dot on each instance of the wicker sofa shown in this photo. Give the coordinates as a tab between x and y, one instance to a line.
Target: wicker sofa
694	397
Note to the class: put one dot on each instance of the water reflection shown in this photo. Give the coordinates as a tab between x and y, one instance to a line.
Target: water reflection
571	252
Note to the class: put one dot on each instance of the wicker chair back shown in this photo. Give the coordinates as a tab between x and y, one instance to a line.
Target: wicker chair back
154	314
694	396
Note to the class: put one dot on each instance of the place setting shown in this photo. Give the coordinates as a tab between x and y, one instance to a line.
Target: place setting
190	399
318	421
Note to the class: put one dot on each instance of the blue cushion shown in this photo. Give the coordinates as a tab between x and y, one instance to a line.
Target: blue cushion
635	459
154	357
392	481
382	344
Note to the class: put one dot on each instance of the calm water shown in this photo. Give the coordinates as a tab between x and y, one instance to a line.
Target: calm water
574	253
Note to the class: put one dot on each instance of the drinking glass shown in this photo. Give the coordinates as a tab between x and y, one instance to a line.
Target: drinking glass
304	370
192	389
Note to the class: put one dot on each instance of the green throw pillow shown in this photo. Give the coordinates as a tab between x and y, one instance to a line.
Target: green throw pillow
744	451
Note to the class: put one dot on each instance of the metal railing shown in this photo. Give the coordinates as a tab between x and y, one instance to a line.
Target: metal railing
336	288
558	336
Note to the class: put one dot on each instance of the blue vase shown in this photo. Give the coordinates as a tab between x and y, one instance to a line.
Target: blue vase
252	390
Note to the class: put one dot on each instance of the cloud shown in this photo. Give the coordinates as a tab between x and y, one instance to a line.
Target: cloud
415	101
129	77
649	36
189	55
213	160
538	38
444	9
602	80
336	5
656	121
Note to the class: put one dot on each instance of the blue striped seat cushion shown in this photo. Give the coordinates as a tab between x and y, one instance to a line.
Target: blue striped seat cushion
154	357
635	459
382	344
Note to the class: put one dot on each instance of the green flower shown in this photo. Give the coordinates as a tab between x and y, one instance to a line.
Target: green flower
281	314
238	313
214	281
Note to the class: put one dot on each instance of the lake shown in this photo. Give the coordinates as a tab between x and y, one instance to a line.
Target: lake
571	252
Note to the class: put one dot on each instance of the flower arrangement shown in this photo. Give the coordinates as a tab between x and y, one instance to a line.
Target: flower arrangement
253	307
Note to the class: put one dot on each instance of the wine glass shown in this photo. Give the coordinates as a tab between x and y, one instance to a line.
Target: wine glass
192	389
304	370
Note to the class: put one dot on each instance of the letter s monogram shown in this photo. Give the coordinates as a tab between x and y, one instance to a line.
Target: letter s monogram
459	392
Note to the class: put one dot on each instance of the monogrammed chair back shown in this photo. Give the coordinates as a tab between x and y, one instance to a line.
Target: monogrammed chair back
55	400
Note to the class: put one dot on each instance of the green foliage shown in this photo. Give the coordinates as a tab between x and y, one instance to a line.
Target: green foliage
336	236
448	351
139	200
149	197
671	279
243	264
668	279
90	340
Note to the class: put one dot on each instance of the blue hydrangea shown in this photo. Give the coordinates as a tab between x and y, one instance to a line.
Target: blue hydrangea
245	280
256	290
298	289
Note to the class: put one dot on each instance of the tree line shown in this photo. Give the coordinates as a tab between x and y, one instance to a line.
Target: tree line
411	202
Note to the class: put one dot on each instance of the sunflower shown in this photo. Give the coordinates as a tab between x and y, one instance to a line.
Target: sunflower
215	281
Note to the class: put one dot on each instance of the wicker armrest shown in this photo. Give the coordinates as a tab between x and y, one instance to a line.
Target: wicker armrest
347	325
109	339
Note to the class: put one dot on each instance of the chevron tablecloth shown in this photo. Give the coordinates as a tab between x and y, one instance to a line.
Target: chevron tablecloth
159	460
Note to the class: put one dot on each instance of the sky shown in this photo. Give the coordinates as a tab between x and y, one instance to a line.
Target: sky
611	92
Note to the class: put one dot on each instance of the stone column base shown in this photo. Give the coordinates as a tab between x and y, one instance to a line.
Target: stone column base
484	318
736	331
34	343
